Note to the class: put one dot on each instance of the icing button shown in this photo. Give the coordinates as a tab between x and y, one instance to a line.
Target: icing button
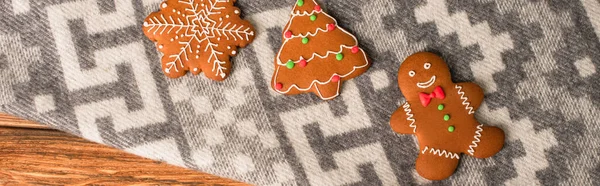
441	107
300	2
330	27
288	34
451	128
290	64
335	78
302	63
304	40
318	8
313	17
278	86
355	49
339	56
446	117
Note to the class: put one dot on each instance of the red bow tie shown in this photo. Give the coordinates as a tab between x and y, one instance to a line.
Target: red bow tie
426	98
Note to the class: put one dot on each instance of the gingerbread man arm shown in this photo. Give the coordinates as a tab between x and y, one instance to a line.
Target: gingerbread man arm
402	120
471	95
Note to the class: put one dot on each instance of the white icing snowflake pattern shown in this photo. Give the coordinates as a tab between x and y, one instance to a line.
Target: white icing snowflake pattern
198	35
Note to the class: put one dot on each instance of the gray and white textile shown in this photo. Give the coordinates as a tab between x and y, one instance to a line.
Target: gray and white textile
85	67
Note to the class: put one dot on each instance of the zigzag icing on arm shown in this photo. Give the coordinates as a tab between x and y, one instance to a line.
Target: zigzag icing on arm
475	139
409	116
465	102
440	152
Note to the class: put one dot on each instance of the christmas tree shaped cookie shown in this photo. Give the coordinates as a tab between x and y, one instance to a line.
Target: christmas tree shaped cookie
317	55
198	36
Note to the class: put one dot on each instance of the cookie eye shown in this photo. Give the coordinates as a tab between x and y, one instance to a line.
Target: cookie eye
412	73
427	66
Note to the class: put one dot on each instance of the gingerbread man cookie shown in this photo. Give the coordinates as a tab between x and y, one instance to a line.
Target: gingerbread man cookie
440	113
198	36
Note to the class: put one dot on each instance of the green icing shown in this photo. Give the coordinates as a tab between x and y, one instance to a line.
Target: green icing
446	117
339	56
290	64
304	40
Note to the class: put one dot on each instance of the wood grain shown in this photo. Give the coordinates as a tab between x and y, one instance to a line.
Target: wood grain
49	157
12	121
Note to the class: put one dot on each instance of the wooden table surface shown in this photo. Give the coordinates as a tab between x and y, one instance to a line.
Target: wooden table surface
32	154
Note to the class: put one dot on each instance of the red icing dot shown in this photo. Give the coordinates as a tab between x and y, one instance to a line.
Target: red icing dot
278	86
288	34
318	8
330	27
355	49
335	78
302	63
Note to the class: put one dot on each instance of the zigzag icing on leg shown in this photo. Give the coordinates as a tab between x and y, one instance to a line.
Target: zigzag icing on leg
440	152
475	140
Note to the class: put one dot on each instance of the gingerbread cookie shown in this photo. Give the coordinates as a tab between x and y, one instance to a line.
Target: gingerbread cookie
317	55
198	36
440	113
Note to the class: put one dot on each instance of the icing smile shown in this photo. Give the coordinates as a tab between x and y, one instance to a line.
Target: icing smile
427	84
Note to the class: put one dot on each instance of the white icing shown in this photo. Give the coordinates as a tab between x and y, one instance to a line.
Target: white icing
427	66
187	27
164	5
440	152
465	102
475	140
280	64
412	73
426	84
234	52
409	117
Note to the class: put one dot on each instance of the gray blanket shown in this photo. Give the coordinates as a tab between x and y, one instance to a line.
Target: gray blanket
85	67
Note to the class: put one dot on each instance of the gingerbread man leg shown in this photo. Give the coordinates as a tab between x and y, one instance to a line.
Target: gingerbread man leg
434	167
490	142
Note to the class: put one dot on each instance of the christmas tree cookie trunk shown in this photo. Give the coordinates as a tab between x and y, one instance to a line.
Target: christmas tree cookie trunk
317	55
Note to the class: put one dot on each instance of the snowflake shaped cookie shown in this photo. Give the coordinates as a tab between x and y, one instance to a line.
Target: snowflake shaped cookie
198	36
